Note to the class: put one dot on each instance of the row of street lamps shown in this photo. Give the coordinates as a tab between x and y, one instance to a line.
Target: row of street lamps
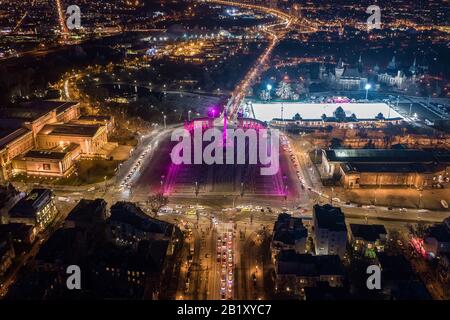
367	88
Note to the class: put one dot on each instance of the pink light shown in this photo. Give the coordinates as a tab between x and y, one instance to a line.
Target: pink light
417	244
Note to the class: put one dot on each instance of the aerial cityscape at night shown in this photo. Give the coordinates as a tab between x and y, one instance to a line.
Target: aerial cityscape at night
255	150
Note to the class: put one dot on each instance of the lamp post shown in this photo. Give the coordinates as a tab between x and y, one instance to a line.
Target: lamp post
189	115
162	184
196	188
165	121
367	87
269	88
420	199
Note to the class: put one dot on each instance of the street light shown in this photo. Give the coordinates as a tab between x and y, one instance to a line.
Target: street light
367	87
165	121
189	115
420	199
269	87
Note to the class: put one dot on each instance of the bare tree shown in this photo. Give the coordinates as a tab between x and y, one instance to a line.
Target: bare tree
156	202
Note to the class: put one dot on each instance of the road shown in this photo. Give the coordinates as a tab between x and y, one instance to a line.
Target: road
274	36
249	265
225	265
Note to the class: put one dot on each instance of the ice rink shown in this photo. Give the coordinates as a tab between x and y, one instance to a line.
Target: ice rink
269	111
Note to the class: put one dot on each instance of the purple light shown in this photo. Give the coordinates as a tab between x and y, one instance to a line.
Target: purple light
213	112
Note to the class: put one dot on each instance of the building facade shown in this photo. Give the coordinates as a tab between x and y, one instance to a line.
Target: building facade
37	208
295	271
57	162
11	146
385	167
330	231
91	138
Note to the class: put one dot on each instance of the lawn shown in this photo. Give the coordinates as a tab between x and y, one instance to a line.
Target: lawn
124	137
90	171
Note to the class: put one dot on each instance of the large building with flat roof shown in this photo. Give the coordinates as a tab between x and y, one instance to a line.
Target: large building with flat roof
55	162
20	126
91	138
386	167
64	111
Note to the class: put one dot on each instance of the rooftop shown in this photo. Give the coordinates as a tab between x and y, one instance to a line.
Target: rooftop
329	217
149	257
269	110
49	105
66	129
62	247
95	118
129	213
19	230
379	155
389	167
9	135
24	114
290	262
368	232
351	73
57	153
14	118
288	229
88	211
29	205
